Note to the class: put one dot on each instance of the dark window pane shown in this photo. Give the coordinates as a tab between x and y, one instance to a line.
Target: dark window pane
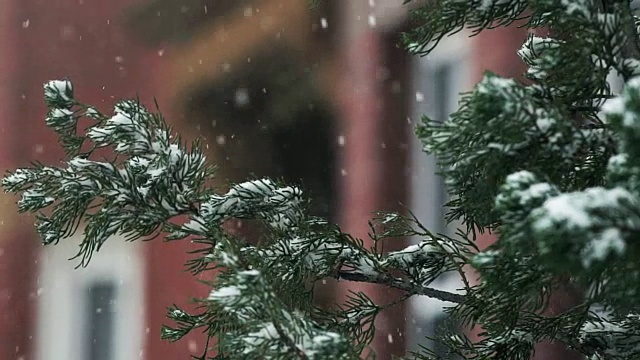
442	84
442	81
100	321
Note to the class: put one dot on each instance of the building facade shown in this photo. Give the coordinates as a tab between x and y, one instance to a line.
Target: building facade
274	89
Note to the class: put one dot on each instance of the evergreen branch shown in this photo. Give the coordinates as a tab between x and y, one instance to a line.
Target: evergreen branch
585	349
434	20
448	254
564	195
401	285
293	349
631	48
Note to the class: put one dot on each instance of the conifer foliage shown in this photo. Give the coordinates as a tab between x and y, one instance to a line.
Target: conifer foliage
551	165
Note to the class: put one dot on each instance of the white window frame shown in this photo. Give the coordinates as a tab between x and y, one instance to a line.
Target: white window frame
62	292
455	51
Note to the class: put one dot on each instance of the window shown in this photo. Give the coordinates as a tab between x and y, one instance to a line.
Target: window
100	298
441	76
270	118
95	313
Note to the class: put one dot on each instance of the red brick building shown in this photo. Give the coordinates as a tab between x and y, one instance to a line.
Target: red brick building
345	81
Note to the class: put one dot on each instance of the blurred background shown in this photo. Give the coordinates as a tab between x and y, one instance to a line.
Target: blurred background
324	97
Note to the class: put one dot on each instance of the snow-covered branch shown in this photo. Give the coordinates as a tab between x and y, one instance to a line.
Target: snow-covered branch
402	285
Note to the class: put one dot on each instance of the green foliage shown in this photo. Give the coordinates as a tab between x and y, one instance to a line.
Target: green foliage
550	165
158	179
432	22
261	302
505	127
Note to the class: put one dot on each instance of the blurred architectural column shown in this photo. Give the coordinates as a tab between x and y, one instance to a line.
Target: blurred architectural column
18	265
372	162
41	41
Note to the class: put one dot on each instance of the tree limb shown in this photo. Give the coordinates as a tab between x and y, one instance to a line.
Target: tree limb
402	285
